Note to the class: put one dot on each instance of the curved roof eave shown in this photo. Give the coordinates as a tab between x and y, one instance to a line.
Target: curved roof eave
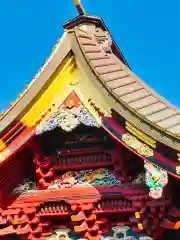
135	101
26	99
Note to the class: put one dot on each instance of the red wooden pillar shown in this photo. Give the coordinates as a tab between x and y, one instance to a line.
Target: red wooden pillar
119	158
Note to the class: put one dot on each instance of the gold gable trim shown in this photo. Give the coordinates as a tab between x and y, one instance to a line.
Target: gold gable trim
140	135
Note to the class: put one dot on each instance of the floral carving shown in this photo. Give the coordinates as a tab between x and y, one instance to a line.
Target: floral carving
68	119
156	180
86	178
135	144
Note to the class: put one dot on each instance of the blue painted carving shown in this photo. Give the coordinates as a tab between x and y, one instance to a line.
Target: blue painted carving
86	178
85	117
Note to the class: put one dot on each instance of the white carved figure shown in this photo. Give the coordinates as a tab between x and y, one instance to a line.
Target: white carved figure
68	119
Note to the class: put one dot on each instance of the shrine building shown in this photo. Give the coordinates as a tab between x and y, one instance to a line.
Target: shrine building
88	150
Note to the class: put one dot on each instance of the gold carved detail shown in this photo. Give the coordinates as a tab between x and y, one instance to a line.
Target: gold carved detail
140	226
178	157
137	215
2	145
178	170
140	135
138	146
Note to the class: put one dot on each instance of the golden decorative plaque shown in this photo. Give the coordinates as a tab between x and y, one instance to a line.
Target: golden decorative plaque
138	146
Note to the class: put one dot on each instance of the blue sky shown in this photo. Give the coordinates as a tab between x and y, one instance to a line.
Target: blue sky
147	32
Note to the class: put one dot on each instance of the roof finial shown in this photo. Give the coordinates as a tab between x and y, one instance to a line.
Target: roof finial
79	7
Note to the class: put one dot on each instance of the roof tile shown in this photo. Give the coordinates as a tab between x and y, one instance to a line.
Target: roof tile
159	116
120	82
152	109
102	62
170	122
175	129
86	41
111	68
83	35
149	100
96	56
135	96
114	75
127	89
89	49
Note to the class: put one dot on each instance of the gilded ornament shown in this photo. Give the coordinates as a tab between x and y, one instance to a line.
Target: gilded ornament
135	144
140	226
178	157
178	170
2	145
137	215
140	135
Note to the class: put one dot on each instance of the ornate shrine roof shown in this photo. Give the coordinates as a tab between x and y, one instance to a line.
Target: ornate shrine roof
125	85
89	40
127	88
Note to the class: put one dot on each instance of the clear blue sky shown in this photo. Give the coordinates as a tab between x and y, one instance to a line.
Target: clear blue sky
147	32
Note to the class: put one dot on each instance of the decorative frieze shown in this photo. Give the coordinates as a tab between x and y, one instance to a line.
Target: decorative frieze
86	178
68	119
138	146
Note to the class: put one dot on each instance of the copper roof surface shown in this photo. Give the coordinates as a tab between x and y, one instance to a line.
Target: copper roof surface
124	84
